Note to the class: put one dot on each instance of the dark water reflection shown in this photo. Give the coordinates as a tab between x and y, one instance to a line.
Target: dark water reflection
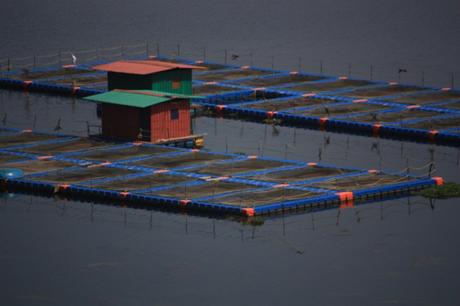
399	251
402	251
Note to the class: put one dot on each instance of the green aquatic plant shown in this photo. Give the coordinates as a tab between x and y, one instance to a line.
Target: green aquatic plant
255	221
448	190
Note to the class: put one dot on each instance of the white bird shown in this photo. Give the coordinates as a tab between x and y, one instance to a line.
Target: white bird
74	59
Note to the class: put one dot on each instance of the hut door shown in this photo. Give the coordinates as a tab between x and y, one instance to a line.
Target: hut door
144	120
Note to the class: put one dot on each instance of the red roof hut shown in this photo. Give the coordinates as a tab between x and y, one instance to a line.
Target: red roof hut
149	100
149	74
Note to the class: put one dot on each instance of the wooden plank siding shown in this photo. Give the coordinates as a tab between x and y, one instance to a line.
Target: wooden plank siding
163	127
120	122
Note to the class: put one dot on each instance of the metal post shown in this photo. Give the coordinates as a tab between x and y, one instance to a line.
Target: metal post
458	157
407	167
371	72
273	62
321	66
151	220
9	64
178	50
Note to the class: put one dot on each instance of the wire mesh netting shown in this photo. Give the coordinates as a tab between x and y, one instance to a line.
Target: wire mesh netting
202	190
238	167
142	182
450	105
6	158
229	75
210	67
46	74
425	98
182	160
82	80
381	91
212	89
264	197
24	138
393	116
37	166
435	123
278	80
326	86
361	182
344	109
289	103
124	153
81	174
300	174
67	146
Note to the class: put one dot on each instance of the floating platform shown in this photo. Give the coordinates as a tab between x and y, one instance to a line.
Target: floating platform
187	179
380	109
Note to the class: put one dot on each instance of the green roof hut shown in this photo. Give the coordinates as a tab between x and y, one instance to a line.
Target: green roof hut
145	115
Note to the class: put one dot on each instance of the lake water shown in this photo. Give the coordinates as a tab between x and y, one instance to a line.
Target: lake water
403	251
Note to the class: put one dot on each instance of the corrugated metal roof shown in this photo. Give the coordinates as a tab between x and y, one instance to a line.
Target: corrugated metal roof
142	67
163	94
137	98
127	98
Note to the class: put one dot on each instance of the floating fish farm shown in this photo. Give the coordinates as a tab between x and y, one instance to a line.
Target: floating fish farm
166	177
380	109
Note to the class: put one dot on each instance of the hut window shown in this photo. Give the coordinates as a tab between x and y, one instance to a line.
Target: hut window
174	114
175	84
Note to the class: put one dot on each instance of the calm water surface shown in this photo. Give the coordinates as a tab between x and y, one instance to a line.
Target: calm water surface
402	252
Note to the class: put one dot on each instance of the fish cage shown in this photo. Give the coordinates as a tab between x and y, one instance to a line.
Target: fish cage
174	178
226	75
277	80
328	85
298	99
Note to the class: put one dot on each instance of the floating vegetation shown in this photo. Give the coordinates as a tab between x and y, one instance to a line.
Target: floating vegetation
255	221
446	191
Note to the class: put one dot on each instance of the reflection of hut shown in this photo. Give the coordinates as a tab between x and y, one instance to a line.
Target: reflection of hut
144	115
149	74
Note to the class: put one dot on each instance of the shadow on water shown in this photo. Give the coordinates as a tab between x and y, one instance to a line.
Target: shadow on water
146	218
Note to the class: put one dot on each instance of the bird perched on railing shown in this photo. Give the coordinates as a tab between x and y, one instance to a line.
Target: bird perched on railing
74	59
